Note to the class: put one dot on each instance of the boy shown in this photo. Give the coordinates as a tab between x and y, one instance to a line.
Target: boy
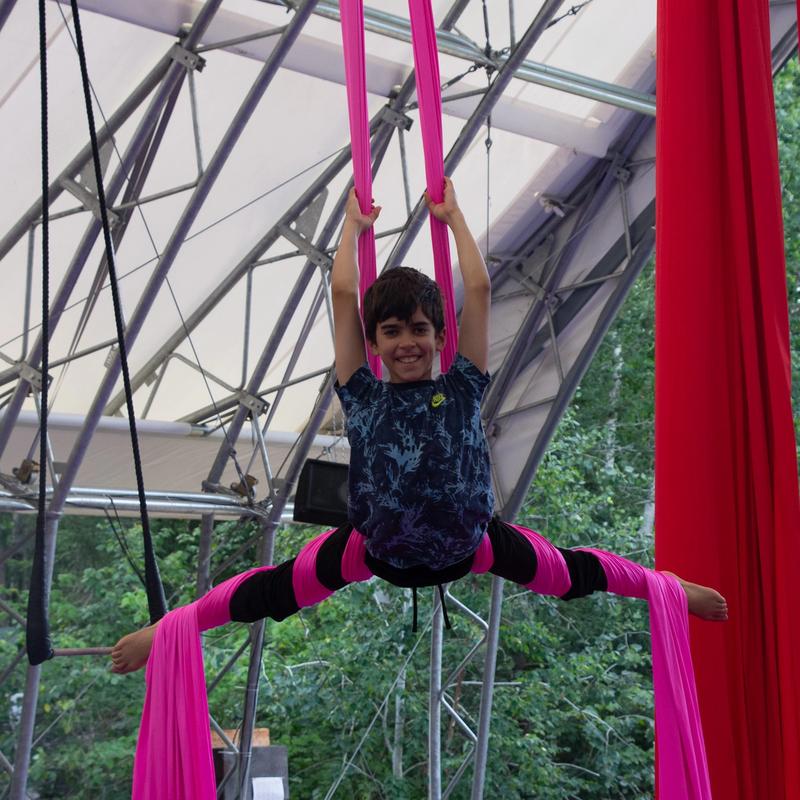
420	501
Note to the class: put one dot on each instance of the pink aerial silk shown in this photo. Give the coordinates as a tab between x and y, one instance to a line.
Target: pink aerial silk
683	770
173	755
430	108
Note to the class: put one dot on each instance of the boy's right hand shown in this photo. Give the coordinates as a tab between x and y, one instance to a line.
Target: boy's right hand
354	216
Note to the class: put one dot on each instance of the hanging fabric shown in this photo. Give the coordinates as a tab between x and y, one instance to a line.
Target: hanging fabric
430	108
727	508
352	18
429	96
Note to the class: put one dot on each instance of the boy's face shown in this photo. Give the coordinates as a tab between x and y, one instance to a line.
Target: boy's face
407	349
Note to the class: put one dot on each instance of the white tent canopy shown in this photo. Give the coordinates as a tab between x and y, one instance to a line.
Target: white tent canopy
538	202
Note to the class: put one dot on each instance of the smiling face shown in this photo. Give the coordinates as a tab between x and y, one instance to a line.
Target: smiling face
407	349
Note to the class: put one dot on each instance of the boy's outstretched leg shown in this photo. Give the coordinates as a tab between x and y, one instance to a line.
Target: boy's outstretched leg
324	565
526	557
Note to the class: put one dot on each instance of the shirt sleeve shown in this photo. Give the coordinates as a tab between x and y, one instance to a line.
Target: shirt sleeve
360	389
468	379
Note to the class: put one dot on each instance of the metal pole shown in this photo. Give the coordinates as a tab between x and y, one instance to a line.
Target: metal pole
487	690
476	120
22	757
434	703
254	671
6	7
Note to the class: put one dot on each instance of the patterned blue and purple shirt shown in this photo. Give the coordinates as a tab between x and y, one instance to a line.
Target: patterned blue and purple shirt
420	485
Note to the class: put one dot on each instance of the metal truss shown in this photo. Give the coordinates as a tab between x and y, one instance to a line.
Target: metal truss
554	298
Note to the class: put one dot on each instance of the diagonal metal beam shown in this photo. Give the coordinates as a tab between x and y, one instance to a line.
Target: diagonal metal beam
160	106
115	122
476	120
567	388
6	7
236	274
520	346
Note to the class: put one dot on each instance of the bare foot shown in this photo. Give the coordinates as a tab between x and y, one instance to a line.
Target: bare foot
132	651
704	602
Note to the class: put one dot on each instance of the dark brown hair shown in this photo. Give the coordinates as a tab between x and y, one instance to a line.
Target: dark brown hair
398	293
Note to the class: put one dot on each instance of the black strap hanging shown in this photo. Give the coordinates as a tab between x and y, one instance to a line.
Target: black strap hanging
156	601
447	624
37	629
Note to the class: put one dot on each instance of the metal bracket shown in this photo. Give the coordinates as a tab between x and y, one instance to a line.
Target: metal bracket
307	222
186	57
256	405
553	206
87	199
622	174
315	256
111	356
396	118
30	374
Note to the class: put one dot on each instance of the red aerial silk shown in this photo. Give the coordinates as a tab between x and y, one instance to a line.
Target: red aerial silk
430	108
727	509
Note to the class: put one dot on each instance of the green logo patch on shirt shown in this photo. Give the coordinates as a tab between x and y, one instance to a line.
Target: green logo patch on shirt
437	400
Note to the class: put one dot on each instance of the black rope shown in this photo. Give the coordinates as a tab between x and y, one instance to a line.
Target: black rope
447	624
156	601
37	628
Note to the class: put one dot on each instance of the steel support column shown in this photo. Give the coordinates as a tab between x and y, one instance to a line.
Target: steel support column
270	526
435	702
487	690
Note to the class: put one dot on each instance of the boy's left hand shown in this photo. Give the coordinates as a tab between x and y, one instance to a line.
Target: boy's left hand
447	211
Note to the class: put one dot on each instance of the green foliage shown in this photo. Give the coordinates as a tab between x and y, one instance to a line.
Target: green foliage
573	706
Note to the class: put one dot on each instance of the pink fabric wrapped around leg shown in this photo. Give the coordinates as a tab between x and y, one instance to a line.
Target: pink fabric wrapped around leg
173	753
683	768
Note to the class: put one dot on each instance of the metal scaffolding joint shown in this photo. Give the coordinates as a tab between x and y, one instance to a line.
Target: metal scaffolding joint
315	256
256	405
396	118
30	374
187	58
87	198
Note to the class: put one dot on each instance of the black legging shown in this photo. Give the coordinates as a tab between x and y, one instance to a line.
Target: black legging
273	593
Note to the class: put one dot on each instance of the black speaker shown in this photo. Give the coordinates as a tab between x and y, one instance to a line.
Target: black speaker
321	496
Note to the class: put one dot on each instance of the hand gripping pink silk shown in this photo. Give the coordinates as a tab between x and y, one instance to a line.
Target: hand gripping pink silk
430	110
